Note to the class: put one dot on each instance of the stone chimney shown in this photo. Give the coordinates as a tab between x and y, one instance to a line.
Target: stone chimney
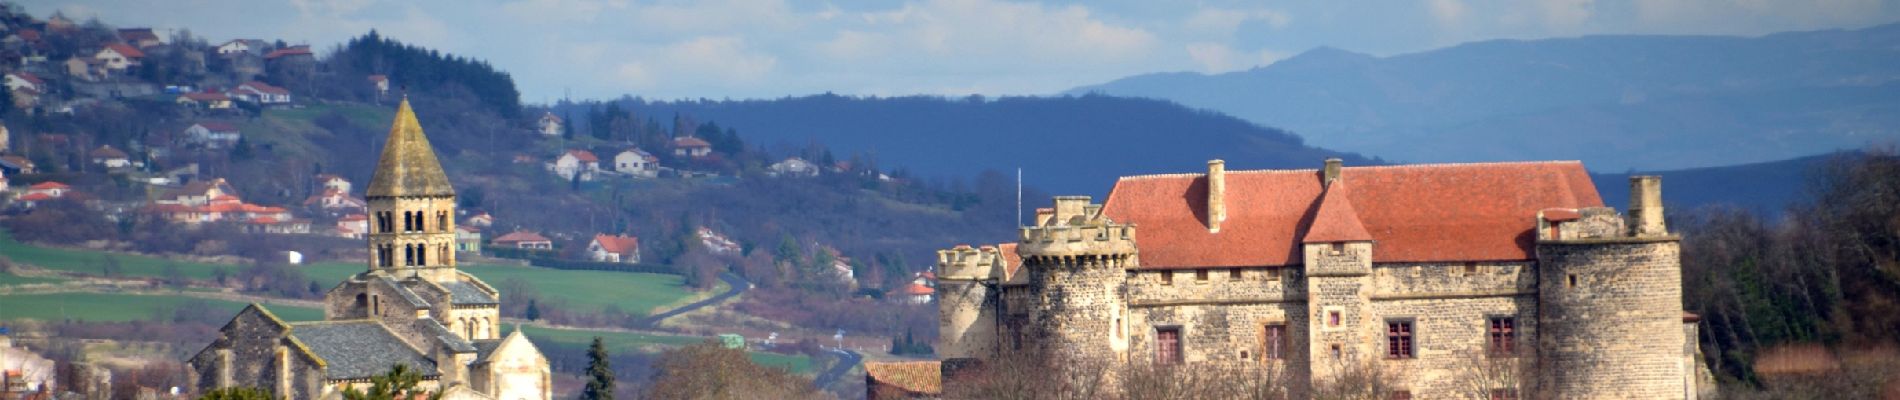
1069	207
1216	194
1331	173
1646	209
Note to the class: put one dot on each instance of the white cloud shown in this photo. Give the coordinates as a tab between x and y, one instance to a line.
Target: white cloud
1563	15
1221	22
1217	58
1447	12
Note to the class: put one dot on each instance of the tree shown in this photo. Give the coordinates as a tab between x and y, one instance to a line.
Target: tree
600	375
708	370
534	311
236	393
399	383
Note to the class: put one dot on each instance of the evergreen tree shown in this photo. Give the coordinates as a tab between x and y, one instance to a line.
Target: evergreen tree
399	383
236	393
600	376
534	311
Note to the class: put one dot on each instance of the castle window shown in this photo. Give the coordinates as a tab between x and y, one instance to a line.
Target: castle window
1335	350
422	255
1398	339
1339	248
1167	277
1273	342
1273	274
1573	281
1168	345
1503	394
1233	274
1332	318
408	255
1200	275
1243	354
408	223
1502	336
1471	268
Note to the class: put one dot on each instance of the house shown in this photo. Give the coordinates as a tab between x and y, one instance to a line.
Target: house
212	134
549	125
272	224
335	201
688	146
717	243
261	93
50	189
85	68
380	83
573	162
615	249
241	46
207	201
25	98
119	56
903	380
636	162
198	193
352	226
290	53
333	182
110	157
18	80
793	167
917	294
205	100
524	240
482	220
468	239
14	164
140	37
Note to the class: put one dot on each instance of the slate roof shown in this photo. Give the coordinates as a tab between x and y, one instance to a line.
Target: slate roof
408	166
407	294
486	347
450	339
358	349
464	292
1414	213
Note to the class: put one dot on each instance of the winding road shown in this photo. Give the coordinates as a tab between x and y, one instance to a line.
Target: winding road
847	359
735	284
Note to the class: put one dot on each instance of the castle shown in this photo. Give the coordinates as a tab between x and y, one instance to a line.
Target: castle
411	307
1419	271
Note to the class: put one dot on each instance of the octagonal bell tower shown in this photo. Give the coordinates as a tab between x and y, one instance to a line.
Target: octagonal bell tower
411	207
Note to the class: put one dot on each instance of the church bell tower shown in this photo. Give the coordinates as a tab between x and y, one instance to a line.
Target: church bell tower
411	207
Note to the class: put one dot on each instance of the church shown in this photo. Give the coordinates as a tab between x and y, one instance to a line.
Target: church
410	307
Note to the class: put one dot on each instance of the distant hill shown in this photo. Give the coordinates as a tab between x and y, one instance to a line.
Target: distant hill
1615	102
1065	145
1764	188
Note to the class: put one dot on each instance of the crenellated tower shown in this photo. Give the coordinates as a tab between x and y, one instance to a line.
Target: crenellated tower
1077	259
1610	301
967	301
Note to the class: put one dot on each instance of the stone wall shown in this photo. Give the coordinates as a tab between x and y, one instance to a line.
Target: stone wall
1611	314
254	351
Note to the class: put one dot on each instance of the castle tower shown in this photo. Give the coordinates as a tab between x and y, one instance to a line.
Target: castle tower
1610	301
967	302
411	206
1077	259
1338	258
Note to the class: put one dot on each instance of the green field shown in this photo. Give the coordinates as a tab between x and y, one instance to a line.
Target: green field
618	342
101	307
11	279
632	293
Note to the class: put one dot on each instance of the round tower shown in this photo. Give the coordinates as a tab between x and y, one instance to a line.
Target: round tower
966	302
1076	260
1610	302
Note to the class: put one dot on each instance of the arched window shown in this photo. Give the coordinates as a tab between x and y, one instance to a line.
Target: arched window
408	255
442	221
422	255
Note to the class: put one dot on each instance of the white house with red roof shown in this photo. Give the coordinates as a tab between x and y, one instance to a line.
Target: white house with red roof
335	201
615	248
290	52
574	162
352	226
524	240
212	134
119	56
110	157
241	46
688	146
49	188
549	124
917	294
334	182
19	80
261	93
636	162
141	37
481	219
380	83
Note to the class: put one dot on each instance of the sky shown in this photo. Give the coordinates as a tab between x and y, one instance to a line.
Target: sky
721	49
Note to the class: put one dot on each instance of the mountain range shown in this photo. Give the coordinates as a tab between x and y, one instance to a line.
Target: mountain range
1624	102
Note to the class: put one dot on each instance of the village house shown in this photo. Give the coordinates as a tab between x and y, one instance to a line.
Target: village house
468	239
18	80
298	52
1423	271
334	182
15	164
575	162
212	134
140	37
241	46
26	98
688	146
615	249
637	163
333	201
380	83
352	226
205	100
915	293
119	56
261	93
214	201
43	191
715	242
85	68
481	219
524	240
793	167
549	124
110	157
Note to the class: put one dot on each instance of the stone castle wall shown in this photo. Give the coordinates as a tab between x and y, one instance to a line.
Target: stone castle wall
1611	314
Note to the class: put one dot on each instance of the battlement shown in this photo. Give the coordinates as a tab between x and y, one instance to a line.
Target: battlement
1643	222
965	263
1075	227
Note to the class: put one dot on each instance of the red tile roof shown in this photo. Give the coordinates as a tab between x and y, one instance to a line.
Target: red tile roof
206	96
262	87
920	377
584	155
125	50
618	244
107	152
288	51
1414	213
1012	262
29	77
918	290
218	126
521	236
689	141
36	196
1336	221
48	185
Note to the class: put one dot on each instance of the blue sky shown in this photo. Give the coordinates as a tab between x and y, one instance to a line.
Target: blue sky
774	48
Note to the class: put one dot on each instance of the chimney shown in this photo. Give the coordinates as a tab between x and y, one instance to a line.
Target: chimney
1331	173
1646	210
1216	194
1069	207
